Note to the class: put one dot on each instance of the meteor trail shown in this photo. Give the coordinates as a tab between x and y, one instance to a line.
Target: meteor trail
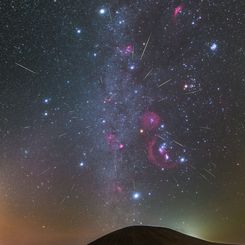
145	47
194	92
110	14
164	83
176	142
25	68
148	74
209	172
207	128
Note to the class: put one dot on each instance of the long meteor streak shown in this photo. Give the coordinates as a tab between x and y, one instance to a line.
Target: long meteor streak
142	55
25	68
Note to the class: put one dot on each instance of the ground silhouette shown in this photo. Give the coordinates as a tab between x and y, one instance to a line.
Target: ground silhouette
147	235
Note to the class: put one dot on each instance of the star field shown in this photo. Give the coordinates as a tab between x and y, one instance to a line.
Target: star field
121	113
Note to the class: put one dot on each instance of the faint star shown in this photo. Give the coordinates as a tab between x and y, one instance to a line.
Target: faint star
121	22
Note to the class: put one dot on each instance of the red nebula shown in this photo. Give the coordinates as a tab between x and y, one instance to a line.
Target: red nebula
117	188
158	157
150	121
178	10
127	50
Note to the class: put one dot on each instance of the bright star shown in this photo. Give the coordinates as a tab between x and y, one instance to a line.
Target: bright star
166	157
213	47
182	159
162	148
136	195
81	164
78	30
46	100
132	67
102	11
121	22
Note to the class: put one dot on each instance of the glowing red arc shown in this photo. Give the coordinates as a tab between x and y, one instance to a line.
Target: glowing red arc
157	158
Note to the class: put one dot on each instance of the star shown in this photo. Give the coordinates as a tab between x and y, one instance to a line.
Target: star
132	67
102	11
182	159
46	100
213	46
78	30
136	195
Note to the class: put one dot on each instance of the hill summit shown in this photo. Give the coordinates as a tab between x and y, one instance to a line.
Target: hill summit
148	235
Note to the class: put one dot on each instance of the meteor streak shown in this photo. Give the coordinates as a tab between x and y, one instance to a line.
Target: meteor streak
25	68
142	55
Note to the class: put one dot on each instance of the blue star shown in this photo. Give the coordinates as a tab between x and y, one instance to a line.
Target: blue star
121	22
136	195
46	100
132	67
214	46
78	30
102	11
182	159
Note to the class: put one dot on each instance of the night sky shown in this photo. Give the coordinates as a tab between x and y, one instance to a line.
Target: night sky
118	113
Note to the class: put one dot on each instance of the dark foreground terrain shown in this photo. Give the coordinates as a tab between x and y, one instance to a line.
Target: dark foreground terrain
147	235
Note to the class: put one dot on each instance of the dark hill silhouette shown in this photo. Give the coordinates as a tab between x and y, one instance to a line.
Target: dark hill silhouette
147	235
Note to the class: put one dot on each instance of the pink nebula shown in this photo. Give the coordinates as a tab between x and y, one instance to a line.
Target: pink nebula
127	50
178	10
150	121
158	156
114	142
